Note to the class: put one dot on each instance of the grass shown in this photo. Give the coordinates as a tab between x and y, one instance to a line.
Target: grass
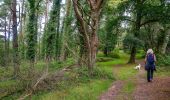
77	84
140	54
88	91
8	85
129	87
86	88
163	71
125	72
5	73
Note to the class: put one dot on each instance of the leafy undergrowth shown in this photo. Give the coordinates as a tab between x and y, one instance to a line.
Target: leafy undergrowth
76	81
163	71
79	85
83	91
12	88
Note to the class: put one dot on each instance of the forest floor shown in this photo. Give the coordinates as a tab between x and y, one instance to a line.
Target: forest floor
136	87
114	79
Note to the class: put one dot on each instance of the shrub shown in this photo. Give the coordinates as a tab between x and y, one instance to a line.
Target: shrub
104	59
83	74
115	54
163	60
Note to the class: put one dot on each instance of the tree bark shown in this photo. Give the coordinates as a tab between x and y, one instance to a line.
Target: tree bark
9	34
66	29
46	12
136	29
15	40
89	30
32	38
165	42
5	34
21	34
58	36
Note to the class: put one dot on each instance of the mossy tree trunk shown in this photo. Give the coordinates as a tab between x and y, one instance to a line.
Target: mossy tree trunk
15	40
88	29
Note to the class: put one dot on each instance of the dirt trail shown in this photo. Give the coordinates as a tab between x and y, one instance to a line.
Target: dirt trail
159	89
113	91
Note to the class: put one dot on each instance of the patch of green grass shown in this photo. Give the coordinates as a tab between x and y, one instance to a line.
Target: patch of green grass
77	84
6	84
128	87
123	73
89	91
140	54
8	87
81	86
163	71
100	54
5	73
113	62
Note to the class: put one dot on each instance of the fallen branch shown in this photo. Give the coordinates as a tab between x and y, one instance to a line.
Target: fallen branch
53	77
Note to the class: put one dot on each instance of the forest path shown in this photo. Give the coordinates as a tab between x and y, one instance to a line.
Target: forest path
159	89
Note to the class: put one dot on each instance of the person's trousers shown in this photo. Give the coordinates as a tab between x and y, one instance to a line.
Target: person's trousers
149	74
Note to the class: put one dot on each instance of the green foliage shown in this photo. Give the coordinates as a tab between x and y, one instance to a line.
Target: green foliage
87	91
162	71
98	73
108	34
114	54
51	38
130	40
104	59
79	85
125	72
32	35
163	60
140	54
2	53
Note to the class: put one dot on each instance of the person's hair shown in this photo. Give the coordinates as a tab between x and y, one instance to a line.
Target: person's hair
150	51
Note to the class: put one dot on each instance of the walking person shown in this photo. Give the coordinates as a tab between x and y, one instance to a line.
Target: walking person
150	67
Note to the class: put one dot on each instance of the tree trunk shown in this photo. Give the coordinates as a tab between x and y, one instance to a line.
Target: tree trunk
166	41
136	30
58	36
132	55
15	40
39	40
36	31
8	44
32	35
65	33
5	56
21	37
46	12
89	30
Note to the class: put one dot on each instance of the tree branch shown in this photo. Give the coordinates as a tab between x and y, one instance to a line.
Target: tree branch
36	7
99	4
129	20
149	21
78	15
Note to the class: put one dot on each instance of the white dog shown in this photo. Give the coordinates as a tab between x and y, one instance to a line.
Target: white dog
137	67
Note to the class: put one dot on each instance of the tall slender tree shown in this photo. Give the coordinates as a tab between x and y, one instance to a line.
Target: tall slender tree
66	30
15	39
51	35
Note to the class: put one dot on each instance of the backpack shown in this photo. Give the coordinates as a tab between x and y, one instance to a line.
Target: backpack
150	59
